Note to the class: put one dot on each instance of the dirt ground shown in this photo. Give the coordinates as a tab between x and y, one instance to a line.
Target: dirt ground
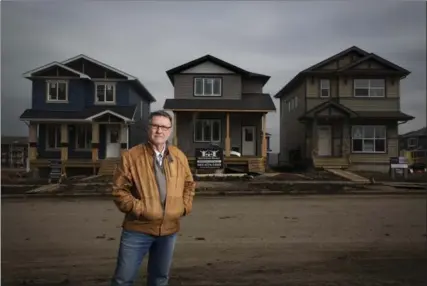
306	240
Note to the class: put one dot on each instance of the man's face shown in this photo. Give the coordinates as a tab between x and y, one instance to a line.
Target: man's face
159	130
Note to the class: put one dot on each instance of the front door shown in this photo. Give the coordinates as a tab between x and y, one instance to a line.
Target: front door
324	140
248	141
113	141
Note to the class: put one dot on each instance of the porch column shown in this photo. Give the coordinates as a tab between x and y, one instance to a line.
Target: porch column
175	130
123	137
264	138
95	141
64	147
227	135
32	142
64	142
314	138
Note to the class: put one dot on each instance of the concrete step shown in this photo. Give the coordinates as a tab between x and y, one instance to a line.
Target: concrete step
108	166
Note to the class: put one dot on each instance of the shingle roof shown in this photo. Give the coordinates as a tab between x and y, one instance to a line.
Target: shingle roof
126	111
249	102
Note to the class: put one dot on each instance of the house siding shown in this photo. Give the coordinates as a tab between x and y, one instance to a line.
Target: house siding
231	86
292	132
138	130
251	86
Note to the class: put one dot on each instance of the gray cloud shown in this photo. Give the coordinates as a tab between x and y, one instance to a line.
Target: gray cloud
146	39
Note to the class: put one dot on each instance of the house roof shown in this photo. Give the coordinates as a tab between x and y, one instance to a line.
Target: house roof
250	102
14	140
137	84
296	80
416	133
28	74
216	61
394	115
87	114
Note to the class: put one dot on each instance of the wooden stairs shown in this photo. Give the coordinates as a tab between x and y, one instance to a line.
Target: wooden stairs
108	166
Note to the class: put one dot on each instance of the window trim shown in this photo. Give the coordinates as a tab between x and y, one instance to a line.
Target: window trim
203	78
50	100
211	122
76	140
328	89
58	144
374	139
412	145
369	88
105	93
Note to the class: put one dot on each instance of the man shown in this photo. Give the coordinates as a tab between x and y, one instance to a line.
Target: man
154	187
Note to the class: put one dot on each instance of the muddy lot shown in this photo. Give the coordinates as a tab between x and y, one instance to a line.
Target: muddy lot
310	240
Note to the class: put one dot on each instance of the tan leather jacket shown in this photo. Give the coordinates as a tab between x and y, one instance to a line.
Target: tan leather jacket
136	194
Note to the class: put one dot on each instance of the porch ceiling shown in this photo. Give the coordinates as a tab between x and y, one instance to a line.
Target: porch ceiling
248	103
86	114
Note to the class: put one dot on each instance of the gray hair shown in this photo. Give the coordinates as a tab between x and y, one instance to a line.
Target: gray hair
162	113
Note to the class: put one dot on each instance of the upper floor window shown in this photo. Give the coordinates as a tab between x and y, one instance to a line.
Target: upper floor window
369	87
105	92
207	86
57	90
325	88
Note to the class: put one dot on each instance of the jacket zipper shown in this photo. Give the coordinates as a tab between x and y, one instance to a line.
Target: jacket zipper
166	197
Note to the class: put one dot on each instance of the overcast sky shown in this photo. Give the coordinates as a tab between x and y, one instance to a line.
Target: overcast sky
145	39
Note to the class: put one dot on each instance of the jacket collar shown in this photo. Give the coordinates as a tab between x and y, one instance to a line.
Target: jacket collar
150	150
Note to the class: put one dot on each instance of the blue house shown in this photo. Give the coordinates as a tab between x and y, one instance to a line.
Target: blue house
84	112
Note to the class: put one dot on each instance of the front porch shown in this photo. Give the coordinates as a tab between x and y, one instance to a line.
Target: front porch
241	132
79	144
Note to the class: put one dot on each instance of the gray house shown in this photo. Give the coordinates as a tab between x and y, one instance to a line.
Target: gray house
414	140
343	112
218	103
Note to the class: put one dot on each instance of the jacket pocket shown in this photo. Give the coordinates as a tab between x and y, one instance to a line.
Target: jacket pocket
174	208
152	210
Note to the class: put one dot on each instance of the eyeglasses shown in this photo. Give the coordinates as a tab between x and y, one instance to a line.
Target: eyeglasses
161	127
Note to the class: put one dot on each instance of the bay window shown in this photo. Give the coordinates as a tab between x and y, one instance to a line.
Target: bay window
204	86
207	130
369	139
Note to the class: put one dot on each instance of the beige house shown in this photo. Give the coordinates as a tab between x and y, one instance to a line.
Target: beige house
343	112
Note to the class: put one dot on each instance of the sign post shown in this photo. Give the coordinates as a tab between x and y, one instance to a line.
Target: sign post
398	165
209	158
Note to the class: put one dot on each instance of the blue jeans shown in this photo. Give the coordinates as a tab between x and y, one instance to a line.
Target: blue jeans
133	248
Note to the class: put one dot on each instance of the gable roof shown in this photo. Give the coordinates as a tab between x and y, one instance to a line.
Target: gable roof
52	64
416	133
82	56
216	61
377	58
326	104
295	81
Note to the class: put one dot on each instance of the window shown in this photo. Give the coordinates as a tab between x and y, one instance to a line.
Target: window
325	88
83	136
207	87
369	88
289	105
53	136
369	139
207	130
57	91
105	93
412	142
